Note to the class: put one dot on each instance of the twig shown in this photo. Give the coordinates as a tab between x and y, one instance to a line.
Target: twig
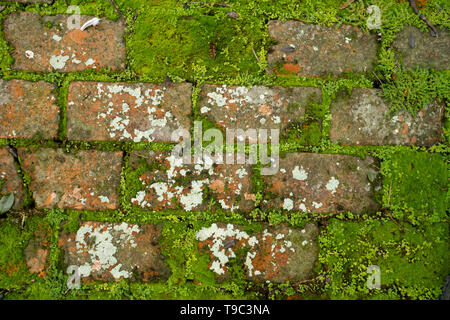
347	4
412	3
389	215
221	4
256	56
116	7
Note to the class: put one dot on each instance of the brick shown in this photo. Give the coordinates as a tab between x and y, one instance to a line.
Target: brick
237	107
276	254
37	251
47	44
10	181
85	180
313	50
308	182
165	182
28	110
127	111
421	49
112	251
364	119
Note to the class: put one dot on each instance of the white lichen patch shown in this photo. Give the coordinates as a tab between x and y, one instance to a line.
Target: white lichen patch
58	62
278	243
299	173
288	204
101	244
332	185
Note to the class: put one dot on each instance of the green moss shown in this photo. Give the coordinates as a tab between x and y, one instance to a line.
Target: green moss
413	261
415	186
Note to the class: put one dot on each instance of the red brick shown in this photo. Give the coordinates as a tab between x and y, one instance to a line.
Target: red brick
427	51
85	180
37	251
170	184
276	254
28	110
364	119
237	107
314	50
10	181
309	182
111	251
38	47
127	111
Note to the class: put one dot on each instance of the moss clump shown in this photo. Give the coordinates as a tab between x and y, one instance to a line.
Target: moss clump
413	261
415	186
413	90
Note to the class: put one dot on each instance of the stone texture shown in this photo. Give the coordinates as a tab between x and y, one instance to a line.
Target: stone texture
364	119
37	251
10	181
167	183
421	49
236	107
28	110
127	111
313	50
46	43
85	180
111	251
277	254
309	182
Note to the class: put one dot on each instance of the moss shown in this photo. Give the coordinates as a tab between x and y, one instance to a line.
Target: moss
413	261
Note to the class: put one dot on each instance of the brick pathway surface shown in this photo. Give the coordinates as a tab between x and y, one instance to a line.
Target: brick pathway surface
312	50
85	180
98	111
111	251
28	110
421	49
132	175
39	47
364	119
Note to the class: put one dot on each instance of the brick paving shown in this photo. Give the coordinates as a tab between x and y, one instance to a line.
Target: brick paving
119	115
28	110
421	49
312	50
322	183
364	119
59	48
85	180
139	112
112	251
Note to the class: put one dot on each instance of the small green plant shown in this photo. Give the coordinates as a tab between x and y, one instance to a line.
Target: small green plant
413	90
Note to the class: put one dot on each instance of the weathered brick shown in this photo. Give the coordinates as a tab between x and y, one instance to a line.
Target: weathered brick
47	43
332	183
167	183
111	251
236	107
421	49
364	119
127	111
28	110
37	251
277	254
313	50
10	181
85	180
